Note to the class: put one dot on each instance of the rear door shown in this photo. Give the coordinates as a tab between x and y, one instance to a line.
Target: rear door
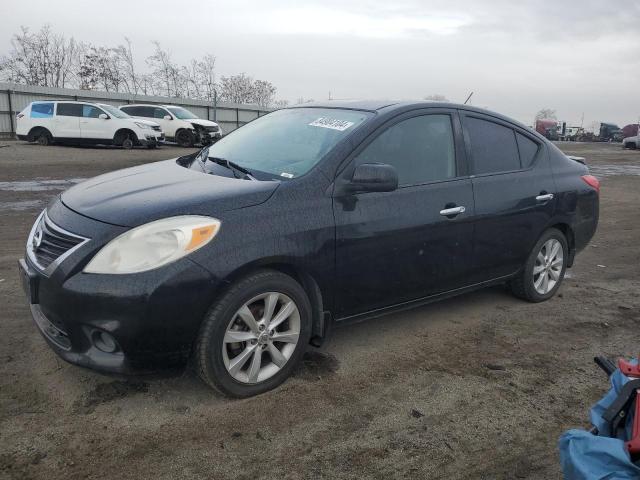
67	120
514	193
93	127
394	247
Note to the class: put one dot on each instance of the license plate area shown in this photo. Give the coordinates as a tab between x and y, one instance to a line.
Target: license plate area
29	280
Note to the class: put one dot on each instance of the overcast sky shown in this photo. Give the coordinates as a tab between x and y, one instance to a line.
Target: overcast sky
517	56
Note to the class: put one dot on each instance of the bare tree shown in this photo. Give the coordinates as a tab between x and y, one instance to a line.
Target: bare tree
237	88
263	93
41	58
48	59
281	104
168	75
100	68
124	56
546	113
206	77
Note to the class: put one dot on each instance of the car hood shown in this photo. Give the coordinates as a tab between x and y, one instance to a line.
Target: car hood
204	123
146	122
138	195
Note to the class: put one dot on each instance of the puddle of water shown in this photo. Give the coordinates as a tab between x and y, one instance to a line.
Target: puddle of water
39	185
23	205
610	170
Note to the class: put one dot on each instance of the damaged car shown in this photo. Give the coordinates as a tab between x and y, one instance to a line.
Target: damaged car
236	258
178	124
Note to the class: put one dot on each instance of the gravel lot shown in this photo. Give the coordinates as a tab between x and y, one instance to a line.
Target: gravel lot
479	386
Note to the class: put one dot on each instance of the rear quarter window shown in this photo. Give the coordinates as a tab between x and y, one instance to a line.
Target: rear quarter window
42	110
528	150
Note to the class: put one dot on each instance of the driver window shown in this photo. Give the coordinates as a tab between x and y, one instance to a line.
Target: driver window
420	148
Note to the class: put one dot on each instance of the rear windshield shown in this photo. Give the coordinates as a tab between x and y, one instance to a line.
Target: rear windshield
288	143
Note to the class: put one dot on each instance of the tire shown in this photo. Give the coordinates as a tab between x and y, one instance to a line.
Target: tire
125	139
214	357
529	285
43	138
185	138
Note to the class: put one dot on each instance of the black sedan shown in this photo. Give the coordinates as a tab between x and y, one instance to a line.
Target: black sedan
240	256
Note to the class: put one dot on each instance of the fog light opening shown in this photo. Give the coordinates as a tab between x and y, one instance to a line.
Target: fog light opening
104	341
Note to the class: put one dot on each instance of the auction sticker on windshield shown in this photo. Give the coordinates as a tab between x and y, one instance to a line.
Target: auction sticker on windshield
332	123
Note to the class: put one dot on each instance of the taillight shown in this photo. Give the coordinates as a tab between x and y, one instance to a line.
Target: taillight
592	182
20	115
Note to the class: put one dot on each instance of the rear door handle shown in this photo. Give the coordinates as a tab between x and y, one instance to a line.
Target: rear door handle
449	212
545	197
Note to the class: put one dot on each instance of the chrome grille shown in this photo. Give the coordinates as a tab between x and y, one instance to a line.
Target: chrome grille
49	244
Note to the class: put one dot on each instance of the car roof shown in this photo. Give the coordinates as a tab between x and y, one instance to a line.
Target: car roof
390	106
149	105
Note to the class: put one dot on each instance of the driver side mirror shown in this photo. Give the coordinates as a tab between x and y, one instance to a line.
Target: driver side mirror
374	177
168	117
103	116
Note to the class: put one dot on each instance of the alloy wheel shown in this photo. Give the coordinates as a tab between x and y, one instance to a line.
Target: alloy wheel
548	266
261	337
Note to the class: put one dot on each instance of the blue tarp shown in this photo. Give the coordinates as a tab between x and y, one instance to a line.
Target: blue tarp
585	456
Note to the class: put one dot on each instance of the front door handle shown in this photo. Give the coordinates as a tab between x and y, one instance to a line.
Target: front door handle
544	197
451	212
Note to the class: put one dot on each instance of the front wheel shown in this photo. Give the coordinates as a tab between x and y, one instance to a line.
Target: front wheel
544	270
255	334
185	138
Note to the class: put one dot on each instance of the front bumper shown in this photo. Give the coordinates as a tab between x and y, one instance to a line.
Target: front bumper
207	137
153	138
153	317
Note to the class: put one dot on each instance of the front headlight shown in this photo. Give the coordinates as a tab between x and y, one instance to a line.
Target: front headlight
154	244
143	126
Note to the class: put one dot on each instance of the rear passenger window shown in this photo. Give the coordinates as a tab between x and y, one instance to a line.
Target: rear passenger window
493	146
528	150
42	110
146	112
69	109
420	148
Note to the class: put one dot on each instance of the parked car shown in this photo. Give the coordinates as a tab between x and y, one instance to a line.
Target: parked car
631	142
240	255
47	122
178	123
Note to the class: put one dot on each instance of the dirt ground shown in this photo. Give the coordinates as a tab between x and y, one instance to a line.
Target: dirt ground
477	387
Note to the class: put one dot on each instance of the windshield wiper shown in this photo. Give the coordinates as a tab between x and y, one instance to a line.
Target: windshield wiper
234	167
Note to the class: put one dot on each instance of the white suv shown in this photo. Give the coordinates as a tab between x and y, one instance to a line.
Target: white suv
46	122
178	123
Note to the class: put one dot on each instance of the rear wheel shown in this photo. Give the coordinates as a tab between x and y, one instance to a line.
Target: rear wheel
185	138
43	138
255	334
544	270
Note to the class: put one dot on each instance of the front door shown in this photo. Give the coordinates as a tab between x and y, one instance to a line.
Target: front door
92	126
398	246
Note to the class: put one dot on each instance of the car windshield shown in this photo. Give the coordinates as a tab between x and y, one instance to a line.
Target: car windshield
288	143
114	111
182	113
